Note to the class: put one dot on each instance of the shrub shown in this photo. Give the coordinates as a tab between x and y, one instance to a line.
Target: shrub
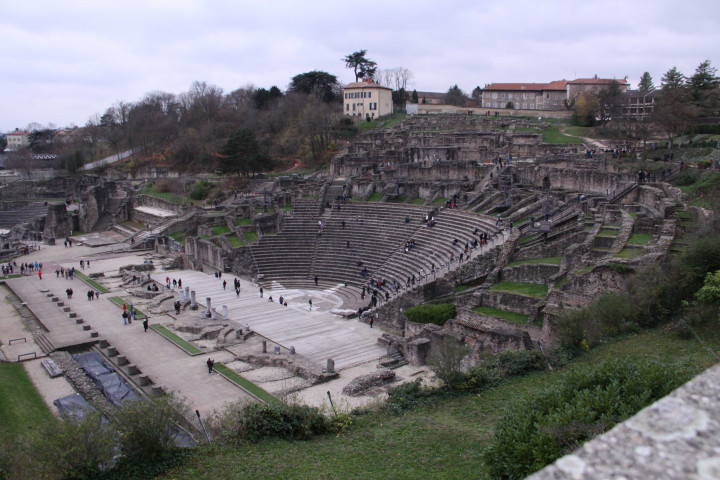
447	363
146	432
588	401
408	396
493	369
257	421
163	186
434	313
610	314
686	177
200	190
68	448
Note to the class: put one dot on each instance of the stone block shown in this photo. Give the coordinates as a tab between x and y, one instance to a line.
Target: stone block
94	334
54	299
79	321
143	380
86	327
122	360
158	389
104	343
66	309
60	304
132	369
72	314
112	351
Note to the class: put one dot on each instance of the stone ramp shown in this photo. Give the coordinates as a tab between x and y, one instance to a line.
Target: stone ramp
317	334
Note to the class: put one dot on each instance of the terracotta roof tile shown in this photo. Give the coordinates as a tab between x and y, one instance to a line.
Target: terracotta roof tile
598	81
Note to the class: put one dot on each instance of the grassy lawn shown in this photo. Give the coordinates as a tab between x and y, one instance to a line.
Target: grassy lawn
519	318
553	135
244	383
536	261
387	121
91	282
606	232
632	214
584	270
236	242
119	301
529	289
446	439
375	197
461	288
439	201
221	229
251	237
167	196
630	253
241	222
178	237
418	201
188	347
21	406
640	239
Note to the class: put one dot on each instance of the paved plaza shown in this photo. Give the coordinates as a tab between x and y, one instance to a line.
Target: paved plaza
316	334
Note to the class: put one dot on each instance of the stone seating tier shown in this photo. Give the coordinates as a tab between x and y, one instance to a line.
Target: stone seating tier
377	241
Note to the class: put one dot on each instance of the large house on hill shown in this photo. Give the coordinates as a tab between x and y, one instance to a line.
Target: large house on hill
525	96
367	99
17	140
542	96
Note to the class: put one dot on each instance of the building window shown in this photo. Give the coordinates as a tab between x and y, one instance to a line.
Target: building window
347	107
532	106
494	95
509	95
369	94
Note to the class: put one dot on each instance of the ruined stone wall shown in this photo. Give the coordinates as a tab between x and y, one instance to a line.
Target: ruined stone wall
509	301
584	180
205	252
600	279
148	201
528	273
58	223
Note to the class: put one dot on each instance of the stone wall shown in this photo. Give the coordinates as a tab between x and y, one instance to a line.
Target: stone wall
205	252
509	301
58	223
149	201
528	273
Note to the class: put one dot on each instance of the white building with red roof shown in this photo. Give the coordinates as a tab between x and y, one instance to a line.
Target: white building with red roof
17	140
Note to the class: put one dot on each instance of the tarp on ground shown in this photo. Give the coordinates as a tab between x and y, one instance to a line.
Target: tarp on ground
75	406
113	386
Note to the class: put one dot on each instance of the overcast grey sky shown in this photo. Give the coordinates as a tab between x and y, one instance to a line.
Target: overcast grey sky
63	61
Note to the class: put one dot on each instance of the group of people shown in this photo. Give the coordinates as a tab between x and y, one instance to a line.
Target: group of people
68	273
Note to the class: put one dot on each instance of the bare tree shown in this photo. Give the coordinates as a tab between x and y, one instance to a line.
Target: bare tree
396	78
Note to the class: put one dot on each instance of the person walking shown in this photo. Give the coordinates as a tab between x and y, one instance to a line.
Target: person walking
125	317
145	325
40	274
261	292
316	280
224	284
310	304
210	364
371	321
